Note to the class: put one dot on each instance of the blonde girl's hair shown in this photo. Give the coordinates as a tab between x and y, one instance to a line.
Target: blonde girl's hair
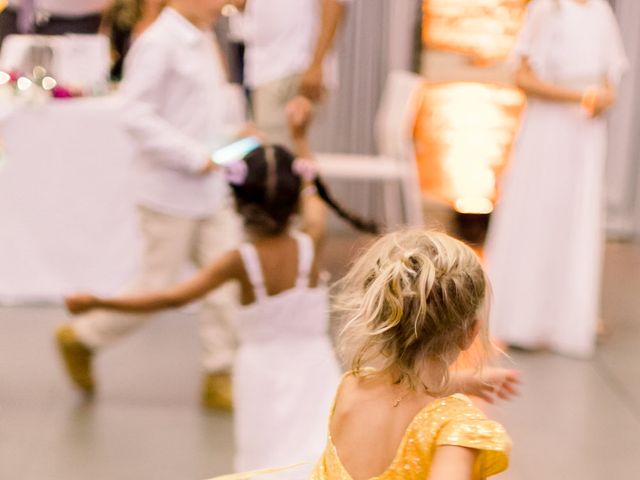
414	295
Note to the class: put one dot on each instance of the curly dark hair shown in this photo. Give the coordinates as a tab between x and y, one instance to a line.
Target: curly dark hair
269	196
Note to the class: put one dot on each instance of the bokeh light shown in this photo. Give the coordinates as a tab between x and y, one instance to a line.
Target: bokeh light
483	29
464	133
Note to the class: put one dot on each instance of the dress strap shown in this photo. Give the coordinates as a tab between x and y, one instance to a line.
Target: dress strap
306	252
252	265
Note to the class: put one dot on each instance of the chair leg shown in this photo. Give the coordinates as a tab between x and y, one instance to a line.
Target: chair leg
392	195
412	200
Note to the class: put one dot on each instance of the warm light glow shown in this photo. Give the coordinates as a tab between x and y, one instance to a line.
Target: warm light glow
476	205
24	83
4	78
464	134
49	83
484	29
229	10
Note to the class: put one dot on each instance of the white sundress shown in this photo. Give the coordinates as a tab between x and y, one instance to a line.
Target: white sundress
545	241
285	373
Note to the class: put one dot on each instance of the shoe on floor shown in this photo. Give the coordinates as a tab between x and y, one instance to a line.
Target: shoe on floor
77	359
216	392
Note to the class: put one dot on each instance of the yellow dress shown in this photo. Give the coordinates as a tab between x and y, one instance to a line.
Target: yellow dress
452	420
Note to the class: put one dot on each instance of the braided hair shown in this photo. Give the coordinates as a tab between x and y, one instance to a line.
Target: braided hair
268	196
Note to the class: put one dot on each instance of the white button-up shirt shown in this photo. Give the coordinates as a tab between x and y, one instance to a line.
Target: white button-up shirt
281	37
67	8
173	88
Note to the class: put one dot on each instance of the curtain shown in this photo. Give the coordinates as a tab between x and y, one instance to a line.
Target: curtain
623	166
378	36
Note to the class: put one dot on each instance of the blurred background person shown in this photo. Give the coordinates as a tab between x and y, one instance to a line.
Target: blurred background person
51	17
545	242
288	51
174	88
123	22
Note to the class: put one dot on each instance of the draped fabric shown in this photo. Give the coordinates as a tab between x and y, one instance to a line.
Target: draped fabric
378	36
623	166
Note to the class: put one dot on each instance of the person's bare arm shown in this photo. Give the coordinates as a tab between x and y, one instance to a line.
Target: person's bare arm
332	15
453	463
314	216
228	267
490	384
533	86
313	209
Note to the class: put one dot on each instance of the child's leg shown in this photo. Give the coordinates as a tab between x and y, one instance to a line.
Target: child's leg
167	241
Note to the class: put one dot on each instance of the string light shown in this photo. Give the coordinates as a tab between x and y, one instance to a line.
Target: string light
24	84
49	83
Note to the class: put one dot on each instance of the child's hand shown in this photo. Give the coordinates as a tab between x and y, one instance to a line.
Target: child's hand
299	113
492	383
80	303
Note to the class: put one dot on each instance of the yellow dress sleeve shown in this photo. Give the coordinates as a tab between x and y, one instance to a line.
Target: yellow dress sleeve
471	429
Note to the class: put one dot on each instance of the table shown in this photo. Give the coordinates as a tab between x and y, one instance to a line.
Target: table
67	216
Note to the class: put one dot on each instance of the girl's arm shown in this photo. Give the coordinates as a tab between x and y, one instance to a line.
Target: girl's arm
313	209
453	463
228	267
488	385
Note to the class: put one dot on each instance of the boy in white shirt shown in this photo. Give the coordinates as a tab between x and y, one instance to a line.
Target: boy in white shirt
174	89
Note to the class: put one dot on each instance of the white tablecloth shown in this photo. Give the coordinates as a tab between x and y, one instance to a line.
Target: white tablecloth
67	219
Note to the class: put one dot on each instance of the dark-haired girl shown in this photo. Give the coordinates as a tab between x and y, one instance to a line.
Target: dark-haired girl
285	370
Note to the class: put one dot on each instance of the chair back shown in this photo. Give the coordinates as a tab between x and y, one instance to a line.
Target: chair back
396	116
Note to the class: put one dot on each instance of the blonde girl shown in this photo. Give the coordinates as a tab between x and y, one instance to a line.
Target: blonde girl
411	304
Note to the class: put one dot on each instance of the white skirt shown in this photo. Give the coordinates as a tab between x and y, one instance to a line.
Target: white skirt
545	241
283	392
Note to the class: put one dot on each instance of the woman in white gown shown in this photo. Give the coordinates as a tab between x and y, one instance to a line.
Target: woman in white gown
545	242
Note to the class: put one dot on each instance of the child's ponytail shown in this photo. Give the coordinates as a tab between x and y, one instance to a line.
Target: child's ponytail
357	222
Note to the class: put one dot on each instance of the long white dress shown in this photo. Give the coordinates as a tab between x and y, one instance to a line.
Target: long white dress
285	373
545	241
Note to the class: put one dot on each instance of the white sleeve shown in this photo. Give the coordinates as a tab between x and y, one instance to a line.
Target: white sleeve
617	57
531	41
526	39
142	88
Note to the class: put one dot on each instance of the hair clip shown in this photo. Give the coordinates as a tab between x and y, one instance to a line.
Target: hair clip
305	168
236	172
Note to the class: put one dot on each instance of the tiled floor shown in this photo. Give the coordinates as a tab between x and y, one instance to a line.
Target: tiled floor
576	420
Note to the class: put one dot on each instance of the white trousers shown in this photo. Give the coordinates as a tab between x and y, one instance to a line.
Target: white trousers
169	244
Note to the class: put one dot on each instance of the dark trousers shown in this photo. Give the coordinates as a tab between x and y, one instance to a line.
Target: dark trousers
53	26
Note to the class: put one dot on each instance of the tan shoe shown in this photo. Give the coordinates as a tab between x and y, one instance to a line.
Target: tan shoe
77	359
216	392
